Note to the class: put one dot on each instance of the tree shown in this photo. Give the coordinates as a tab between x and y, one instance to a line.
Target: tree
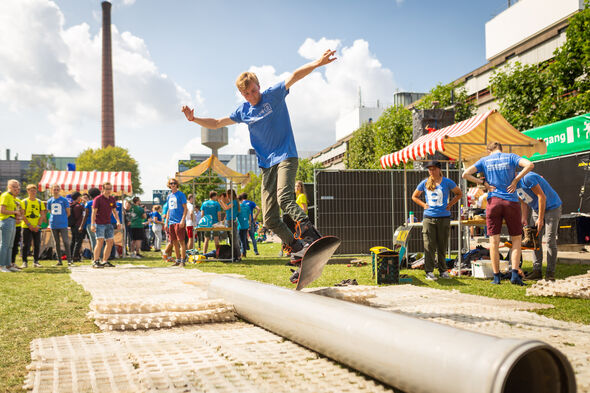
361	148
39	164
464	108
253	189
305	170
534	95
111	158
393	131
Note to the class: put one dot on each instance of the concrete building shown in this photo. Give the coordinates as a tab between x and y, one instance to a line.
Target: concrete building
528	31
405	98
352	120
13	168
244	163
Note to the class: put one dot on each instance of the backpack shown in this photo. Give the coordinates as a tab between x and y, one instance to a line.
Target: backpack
224	252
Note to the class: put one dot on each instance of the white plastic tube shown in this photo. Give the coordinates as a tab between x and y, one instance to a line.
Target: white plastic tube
410	354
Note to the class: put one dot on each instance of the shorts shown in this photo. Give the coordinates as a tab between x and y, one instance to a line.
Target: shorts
104	231
137	234
189	232
177	232
499	209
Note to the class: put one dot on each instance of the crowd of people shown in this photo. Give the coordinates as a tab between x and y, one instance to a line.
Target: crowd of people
98	215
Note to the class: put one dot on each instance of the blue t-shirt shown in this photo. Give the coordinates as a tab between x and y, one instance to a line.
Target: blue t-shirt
244	216
232	212
175	208
525	192
499	170
119	212
251	205
59	216
156	217
438	199
88	207
271	134
210	208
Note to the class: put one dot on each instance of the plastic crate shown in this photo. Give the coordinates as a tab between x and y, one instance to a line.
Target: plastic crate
483	268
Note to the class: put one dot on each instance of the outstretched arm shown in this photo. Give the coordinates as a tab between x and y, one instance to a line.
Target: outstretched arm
206	121
305	70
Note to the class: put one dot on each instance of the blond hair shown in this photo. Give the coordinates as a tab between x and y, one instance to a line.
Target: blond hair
244	80
31	187
431	183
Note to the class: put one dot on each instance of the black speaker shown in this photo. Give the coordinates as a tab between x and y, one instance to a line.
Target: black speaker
573	229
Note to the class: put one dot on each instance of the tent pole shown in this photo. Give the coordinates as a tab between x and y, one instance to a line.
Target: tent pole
460	228
405	194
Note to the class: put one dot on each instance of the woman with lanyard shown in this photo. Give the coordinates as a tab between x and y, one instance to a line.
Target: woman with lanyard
437	217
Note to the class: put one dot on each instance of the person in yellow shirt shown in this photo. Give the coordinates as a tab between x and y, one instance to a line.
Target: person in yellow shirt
34	214
9	214
301	195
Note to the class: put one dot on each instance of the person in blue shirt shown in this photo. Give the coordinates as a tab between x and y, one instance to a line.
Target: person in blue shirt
437	217
254	211
229	203
211	208
499	170
536	193
177	211
59	208
244	223
271	136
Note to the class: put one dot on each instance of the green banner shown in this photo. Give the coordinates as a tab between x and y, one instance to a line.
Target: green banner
562	138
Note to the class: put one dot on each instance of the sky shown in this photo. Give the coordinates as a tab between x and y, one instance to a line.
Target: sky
189	52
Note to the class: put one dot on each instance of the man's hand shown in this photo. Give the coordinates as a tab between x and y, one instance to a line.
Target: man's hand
182	223
189	113
524	222
93	228
35	228
327	58
512	187
118	225
539	225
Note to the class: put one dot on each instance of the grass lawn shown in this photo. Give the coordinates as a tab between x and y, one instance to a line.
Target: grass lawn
45	302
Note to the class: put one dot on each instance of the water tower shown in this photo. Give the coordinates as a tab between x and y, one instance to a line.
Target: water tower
215	139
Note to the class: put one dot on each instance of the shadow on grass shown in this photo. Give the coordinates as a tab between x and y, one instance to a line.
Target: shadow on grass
47	270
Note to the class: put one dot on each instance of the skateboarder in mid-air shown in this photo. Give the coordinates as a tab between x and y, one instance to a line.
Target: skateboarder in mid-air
272	138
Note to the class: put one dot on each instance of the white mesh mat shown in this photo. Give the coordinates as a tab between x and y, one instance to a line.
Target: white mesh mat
235	357
130	297
238	357
574	287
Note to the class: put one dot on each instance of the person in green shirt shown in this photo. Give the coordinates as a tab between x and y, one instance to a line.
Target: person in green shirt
137	214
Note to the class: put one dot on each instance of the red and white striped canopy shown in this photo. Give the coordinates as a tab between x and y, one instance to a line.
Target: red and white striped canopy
82	181
468	140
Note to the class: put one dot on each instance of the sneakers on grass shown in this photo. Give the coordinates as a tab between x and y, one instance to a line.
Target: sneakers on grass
430	276
4	269
445	275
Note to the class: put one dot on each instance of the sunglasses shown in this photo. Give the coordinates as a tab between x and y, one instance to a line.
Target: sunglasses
173	183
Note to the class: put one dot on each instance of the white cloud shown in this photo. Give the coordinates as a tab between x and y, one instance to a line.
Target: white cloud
52	74
317	101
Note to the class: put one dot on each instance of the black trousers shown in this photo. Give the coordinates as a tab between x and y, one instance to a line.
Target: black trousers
76	244
17	237
29	235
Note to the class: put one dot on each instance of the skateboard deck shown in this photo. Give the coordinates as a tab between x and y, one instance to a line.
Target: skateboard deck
315	258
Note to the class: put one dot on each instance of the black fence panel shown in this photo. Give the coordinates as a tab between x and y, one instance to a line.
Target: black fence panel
364	207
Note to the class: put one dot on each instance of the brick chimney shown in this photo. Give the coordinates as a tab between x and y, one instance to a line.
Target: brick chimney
108	112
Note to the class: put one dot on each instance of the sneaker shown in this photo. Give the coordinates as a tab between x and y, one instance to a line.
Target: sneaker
534	275
306	232
71	263
138	255
108	264
97	265
165	257
37	264
13	269
515	279
256	253
445	275
430	276
178	263
135	256
550	276
4	269
497	278
294	277
59	264
24	265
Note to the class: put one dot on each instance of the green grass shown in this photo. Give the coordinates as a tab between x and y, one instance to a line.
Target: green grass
45	302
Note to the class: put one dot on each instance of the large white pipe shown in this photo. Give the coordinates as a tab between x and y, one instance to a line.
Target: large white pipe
410	354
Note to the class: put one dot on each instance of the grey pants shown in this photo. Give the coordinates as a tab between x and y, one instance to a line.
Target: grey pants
435	232
549	233
63	233
278	190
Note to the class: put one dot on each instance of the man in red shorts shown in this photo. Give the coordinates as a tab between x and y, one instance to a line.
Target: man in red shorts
499	170
177	220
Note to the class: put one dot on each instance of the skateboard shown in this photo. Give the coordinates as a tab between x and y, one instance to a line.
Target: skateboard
315	258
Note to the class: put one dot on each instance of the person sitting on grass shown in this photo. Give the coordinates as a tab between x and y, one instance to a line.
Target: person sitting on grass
437	217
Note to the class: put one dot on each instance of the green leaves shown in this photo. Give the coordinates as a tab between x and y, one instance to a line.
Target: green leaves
111	158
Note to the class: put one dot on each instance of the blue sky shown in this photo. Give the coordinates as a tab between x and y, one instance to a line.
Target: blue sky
170	53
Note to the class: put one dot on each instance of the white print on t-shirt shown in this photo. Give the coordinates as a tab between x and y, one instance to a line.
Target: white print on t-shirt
172	203
434	198
56	209
265	111
524	196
